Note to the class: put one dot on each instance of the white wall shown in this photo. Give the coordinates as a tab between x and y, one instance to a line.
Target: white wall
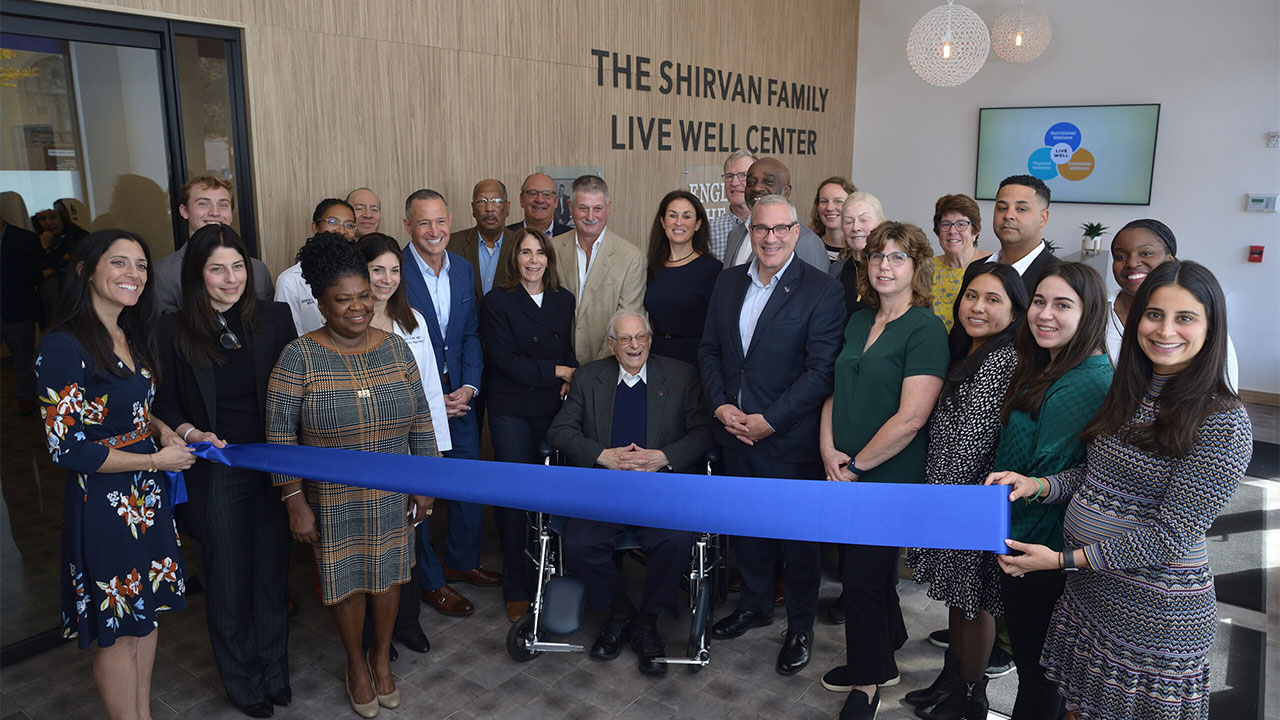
1214	67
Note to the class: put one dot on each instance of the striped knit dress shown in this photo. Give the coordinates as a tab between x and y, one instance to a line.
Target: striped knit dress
1130	636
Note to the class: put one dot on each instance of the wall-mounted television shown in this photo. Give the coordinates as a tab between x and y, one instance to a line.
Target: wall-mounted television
1085	153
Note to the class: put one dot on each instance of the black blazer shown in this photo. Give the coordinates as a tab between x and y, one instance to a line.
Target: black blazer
676	422
523	343
188	394
789	369
1030	278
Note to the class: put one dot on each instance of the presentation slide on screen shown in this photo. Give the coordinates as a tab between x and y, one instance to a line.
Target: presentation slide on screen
1100	154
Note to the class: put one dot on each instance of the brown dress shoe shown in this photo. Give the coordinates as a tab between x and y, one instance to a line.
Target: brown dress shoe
477	576
448	601
517	610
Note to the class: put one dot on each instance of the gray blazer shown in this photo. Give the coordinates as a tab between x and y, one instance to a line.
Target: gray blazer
809	247
676	418
166	273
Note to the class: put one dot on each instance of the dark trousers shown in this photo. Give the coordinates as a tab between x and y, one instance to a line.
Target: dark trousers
406	625
515	439
466	520
1028	607
757	557
20	338
873	628
588	549
245	558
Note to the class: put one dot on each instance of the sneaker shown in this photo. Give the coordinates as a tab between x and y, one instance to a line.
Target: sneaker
941	638
860	707
999	664
837	680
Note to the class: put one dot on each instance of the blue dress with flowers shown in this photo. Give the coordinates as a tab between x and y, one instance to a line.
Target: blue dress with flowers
121	561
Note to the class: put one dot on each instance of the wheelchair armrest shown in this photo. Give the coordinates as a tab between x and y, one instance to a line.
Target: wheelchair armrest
545	450
712	455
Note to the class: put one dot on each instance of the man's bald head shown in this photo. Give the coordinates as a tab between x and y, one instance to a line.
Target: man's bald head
767	176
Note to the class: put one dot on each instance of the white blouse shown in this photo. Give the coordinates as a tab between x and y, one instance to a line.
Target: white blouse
420	343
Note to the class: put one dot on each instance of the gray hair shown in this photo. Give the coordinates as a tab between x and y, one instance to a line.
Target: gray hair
866	197
590	184
423	194
735	156
626	313
774	200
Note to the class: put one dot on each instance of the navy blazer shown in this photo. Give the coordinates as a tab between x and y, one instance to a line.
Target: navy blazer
460	350
523	344
789	369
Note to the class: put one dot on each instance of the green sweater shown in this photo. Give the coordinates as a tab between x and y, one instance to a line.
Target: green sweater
1049	444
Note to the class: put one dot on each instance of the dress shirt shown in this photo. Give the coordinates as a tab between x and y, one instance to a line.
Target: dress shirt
630	380
1022	265
488	261
438	287
584	268
292	289
756	298
720	228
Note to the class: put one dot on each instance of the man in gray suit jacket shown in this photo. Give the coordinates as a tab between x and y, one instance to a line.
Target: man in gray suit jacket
631	411
769	176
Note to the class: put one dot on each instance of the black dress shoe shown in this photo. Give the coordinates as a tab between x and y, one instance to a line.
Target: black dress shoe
608	643
259	710
417	643
835	612
860	707
795	652
738	623
648	646
281	697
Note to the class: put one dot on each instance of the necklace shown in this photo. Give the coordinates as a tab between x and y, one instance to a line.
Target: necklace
361	378
686	257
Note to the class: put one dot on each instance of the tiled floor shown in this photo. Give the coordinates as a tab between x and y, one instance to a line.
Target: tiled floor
467	674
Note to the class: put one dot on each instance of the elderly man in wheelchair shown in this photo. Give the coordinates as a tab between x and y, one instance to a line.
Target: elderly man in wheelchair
631	411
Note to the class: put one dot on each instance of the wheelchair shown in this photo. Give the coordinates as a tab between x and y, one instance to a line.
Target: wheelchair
559	600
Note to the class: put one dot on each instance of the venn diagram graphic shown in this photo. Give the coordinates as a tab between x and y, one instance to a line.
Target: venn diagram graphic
1061	155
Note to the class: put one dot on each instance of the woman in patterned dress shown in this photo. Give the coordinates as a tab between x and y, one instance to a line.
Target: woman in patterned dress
350	385
957	222
963	432
120	556
1130	636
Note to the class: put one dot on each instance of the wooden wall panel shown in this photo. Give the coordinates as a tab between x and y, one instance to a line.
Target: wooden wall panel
402	94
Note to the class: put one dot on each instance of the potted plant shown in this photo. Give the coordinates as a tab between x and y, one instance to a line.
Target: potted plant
1091	241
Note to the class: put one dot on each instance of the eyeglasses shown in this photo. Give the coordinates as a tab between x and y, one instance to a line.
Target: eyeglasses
959	225
534	194
896	259
734	176
334	222
779	231
225	336
642	338
481	202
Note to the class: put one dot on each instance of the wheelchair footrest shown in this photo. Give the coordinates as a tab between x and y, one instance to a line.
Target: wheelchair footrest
563	599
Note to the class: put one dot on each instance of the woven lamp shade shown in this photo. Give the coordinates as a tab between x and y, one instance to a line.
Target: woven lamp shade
948	46
1020	34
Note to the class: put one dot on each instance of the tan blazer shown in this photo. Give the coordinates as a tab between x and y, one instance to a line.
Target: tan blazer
467	244
616	281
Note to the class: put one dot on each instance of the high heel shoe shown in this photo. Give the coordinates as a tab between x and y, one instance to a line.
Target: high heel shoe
391	700
364	710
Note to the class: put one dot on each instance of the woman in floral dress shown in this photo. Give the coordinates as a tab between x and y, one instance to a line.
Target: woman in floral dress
121	564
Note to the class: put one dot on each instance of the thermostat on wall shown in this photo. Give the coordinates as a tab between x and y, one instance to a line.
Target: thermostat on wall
1260	203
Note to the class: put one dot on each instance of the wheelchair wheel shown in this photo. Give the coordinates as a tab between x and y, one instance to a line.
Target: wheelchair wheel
517	640
698	626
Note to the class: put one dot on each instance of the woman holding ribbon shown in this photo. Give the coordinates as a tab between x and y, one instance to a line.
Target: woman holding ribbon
1131	634
887	380
218	351
527	324
963	432
1062	377
681	274
352	386
121	563
1138	249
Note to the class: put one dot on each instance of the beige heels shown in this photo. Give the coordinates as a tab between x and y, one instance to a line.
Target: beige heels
391	700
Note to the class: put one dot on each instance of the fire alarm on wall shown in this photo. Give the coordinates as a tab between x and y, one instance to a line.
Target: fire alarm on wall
1255	253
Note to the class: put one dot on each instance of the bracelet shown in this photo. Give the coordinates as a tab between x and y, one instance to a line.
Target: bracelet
1062	559
853	468
286	497
188	432
1069	560
151	462
1039	489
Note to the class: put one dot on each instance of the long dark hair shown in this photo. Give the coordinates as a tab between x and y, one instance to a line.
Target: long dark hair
78	318
1036	372
375	245
963	364
197	329
1186	398
659	249
550	278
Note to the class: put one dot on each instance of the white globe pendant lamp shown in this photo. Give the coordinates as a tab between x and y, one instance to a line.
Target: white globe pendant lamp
948	45
1020	34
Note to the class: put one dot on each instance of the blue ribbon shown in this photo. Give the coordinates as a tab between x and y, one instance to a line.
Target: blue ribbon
960	517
